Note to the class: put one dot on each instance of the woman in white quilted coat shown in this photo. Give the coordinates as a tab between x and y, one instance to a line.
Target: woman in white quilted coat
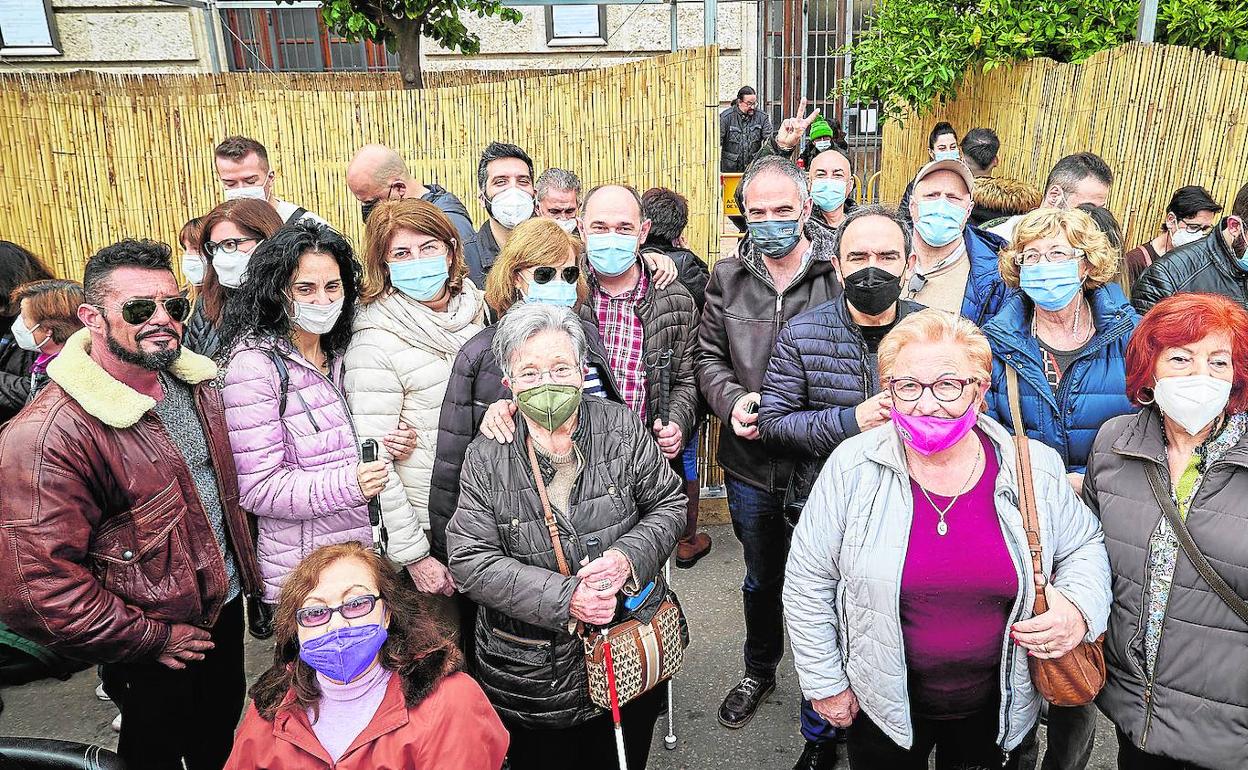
416	311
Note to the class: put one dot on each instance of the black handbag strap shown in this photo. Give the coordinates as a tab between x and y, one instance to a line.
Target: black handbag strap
1215	581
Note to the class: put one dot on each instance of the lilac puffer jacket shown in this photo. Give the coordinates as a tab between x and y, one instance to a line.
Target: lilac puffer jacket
296	472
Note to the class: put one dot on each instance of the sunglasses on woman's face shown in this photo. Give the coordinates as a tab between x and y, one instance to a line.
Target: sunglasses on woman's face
139	310
352	609
547	274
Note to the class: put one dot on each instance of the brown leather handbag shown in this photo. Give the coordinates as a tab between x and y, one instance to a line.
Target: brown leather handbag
1075	678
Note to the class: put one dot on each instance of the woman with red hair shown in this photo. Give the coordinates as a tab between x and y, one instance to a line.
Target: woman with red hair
1170	484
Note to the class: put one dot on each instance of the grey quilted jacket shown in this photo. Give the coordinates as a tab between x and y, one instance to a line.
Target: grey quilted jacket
842	586
501	555
1195	706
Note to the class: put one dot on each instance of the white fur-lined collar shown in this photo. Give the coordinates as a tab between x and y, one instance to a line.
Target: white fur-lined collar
107	399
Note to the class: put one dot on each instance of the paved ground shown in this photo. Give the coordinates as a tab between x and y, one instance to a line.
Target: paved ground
710	594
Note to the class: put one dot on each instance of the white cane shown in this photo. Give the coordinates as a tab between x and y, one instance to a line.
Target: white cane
669	740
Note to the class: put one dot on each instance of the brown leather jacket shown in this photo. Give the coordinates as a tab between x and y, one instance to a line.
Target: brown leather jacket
103	540
742	316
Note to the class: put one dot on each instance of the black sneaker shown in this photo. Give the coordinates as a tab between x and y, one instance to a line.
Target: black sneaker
742	701
817	756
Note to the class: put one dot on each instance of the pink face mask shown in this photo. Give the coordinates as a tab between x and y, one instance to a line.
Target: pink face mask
928	434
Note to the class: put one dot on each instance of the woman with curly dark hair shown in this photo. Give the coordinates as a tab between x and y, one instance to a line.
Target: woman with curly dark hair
17	266
284	332
363	678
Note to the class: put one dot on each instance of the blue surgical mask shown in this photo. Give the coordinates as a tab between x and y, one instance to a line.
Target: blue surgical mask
940	222
611	254
946	155
1051	285
775	238
554	292
829	194
420	279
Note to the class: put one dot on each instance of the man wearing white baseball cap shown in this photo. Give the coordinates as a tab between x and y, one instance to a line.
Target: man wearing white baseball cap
956	269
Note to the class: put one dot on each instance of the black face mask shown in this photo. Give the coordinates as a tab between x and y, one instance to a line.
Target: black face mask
872	290
367	208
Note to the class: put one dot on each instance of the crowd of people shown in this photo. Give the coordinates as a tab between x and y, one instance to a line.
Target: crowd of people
430	469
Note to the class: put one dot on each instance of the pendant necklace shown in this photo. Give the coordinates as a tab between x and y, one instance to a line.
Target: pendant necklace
942	528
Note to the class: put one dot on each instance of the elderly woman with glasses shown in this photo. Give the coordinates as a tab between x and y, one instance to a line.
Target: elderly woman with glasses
590	469
1065	335
909	594
1170	484
363	678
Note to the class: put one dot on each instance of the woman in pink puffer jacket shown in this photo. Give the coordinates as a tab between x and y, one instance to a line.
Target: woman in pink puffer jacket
295	448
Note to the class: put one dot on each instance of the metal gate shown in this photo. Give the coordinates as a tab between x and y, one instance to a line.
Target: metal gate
802	54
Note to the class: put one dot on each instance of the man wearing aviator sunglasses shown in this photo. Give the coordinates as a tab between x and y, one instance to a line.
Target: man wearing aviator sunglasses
125	544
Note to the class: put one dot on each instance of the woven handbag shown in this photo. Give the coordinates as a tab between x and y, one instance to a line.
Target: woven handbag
1075	678
643	654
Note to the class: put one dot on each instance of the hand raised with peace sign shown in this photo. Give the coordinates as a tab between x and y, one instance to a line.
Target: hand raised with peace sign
791	131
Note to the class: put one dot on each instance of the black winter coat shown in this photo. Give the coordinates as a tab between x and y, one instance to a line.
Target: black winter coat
476	382
454	209
741	137
736	338
669	321
501	555
1208	265
821	371
201	335
691	271
15	366
480	253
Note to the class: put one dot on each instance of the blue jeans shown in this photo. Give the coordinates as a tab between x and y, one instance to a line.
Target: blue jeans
758	522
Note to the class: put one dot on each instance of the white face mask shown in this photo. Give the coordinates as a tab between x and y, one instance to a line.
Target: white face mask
232	268
511	207
1181	237
1192	401
317	319
568	225
25	338
193	268
255	193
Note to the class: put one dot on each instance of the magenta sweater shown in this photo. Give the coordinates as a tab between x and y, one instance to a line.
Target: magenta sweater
956	595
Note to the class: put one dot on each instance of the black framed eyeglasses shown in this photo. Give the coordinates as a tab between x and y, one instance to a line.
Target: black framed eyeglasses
139	310
945	389
226	245
352	609
547	274
1194	227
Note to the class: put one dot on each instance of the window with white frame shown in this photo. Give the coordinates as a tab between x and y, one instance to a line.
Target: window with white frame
576	25
27	28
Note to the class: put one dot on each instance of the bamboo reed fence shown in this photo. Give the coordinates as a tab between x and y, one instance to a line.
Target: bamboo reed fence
1161	116
89	158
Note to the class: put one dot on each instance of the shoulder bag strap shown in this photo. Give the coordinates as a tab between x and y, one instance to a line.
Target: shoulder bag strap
1202	565
1026	487
551	525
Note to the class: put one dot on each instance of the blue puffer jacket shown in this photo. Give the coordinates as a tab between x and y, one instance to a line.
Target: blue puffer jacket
1091	391
819	373
986	292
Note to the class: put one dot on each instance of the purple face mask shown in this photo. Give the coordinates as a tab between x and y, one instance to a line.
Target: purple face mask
928	434
344	653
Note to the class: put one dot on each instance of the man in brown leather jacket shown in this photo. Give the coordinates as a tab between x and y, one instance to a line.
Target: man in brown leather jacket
121	538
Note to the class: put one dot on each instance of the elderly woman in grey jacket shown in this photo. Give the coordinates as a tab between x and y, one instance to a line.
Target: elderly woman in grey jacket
909	592
604	477
1176	650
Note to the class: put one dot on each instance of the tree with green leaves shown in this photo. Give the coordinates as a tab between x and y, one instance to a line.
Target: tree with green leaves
916	52
400	25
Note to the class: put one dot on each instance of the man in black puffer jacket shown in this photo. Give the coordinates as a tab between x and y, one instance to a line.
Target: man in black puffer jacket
668	212
823	384
1216	264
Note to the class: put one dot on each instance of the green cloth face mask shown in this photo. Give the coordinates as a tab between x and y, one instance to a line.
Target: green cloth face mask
549	405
